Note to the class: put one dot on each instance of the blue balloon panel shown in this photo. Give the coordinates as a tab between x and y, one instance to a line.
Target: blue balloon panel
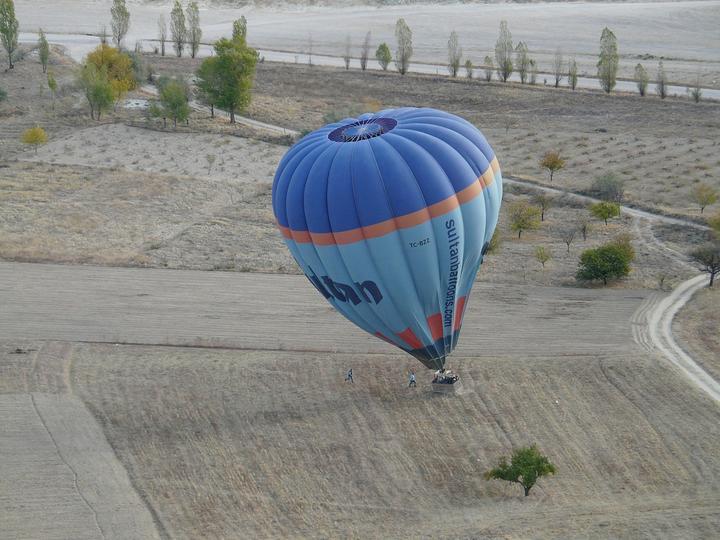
389	215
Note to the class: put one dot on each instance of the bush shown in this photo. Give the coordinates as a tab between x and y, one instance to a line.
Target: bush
608	262
608	187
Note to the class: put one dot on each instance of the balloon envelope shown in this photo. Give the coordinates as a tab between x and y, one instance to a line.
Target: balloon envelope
389	215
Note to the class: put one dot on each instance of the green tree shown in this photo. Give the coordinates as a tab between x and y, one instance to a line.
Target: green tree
117	66
227	77
120	21
523	217
178	28
607	262
97	88
8	29
708	256
489	68
240	28
543	255
194	32
605	210
208	82
454	53
704	195
35	137
174	101
553	162
404	52
383	56
544	201
43	50
533	72
522	61
526	466
572	73
641	79
503	52
608	62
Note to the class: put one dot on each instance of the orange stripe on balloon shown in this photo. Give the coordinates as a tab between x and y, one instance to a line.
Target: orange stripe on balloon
409	337
435	324
459	312
393	224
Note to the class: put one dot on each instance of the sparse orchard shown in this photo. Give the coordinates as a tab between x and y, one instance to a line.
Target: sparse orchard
704	195
605	210
553	162
383	56
523	217
35	137
526	466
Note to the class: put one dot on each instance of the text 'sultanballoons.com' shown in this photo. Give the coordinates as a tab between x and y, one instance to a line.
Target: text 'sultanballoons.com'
389	215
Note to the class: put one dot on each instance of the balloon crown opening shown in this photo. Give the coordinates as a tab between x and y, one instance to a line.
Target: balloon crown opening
362	130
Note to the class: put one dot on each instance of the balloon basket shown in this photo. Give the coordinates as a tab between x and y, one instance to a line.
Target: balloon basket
447	388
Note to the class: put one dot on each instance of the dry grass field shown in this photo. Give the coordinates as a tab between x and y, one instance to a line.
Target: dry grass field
225	444
698	329
248	443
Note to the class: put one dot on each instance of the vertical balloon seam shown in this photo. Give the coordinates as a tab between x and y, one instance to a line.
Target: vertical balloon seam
281	184
420	324
341	309
384	324
432	228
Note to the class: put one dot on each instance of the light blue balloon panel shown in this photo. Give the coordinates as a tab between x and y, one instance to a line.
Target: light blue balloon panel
389	215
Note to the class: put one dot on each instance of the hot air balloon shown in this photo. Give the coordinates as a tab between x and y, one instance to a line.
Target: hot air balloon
389	216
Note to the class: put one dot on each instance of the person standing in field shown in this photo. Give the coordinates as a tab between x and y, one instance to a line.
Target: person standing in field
349	376
412	383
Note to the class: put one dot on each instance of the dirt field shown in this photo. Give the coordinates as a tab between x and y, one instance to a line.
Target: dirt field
273	443
697	327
